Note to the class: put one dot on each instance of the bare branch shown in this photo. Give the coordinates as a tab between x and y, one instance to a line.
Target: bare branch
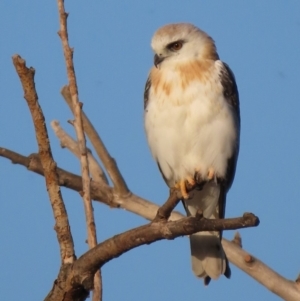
108	162
66	141
164	212
286	289
62	226
88	207
19	159
102	193
147	234
237	239
61	290
79	280
148	210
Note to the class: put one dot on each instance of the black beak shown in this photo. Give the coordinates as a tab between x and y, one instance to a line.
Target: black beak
157	60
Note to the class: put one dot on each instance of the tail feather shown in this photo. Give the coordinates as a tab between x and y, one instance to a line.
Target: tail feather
208	257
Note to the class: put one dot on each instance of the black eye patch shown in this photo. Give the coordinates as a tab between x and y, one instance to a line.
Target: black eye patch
175	46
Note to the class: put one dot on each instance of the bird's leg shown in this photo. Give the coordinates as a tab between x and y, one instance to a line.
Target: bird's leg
180	185
183	191
184	185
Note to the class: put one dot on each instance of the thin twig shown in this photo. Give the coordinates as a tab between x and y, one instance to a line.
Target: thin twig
164	212
68	53
108	162
237	239
286	289
62	226
66	141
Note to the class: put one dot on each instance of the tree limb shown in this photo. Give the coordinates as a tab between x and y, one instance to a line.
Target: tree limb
102	193
48	165
290	291
82	272
286	289
86	195
164	212
154	231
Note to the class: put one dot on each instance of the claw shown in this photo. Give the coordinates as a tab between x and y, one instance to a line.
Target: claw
185	185
183	191
211	173
181	185
191	181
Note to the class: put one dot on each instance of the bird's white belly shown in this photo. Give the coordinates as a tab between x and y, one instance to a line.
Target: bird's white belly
189	137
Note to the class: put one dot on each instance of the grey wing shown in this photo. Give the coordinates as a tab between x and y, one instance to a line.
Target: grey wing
231	95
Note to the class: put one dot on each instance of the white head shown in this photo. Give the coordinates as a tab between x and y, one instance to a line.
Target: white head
181	42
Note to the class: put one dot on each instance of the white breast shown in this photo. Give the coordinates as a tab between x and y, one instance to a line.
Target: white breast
191	129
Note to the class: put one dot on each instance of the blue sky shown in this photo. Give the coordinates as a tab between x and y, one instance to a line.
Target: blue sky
259	40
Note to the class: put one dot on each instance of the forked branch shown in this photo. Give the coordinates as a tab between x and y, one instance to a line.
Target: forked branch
103	154
287	289
85	267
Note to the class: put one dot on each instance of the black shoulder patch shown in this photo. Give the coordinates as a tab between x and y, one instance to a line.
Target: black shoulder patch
146	92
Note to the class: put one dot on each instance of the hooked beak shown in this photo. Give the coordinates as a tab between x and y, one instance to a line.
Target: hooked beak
157	60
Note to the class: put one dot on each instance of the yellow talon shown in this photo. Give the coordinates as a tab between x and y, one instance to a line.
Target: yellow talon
183	191
190	180
184	185
211	173
181	185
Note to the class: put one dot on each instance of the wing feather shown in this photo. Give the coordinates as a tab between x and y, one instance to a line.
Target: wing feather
146	92
231	95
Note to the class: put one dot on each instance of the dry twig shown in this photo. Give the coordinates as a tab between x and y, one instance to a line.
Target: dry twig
88	207
164	212
108	162
68	142
286	289
48	165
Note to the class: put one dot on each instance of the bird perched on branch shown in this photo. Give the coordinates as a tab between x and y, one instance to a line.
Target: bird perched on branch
192	124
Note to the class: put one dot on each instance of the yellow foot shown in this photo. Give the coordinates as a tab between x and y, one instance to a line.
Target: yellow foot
211	173
191	181
183	185
183	191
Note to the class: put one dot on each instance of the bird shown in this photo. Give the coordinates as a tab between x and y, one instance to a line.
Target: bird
192	125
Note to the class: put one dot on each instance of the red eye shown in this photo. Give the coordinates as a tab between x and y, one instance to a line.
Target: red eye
175	46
